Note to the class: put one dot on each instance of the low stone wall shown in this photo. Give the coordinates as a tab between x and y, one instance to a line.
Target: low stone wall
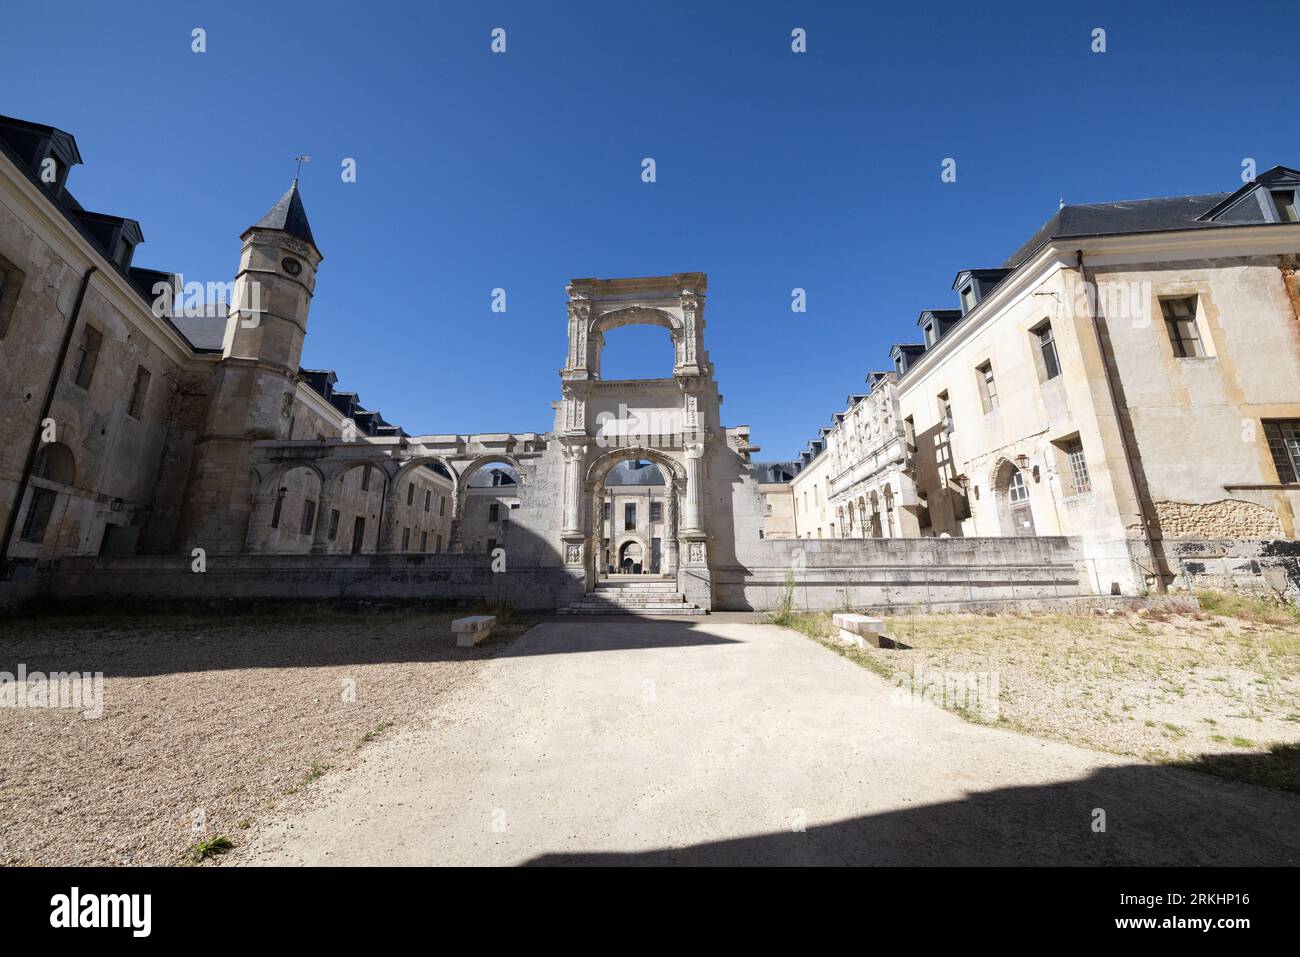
1259	566
933	573
437	577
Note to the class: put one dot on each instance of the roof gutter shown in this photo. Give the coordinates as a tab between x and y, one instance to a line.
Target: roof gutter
6	566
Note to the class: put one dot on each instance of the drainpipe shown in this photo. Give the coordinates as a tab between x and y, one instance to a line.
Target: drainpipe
1123	435
6	567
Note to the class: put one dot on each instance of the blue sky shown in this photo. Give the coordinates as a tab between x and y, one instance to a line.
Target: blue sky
521	170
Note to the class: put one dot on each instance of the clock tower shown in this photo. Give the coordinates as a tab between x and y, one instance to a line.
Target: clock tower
253	391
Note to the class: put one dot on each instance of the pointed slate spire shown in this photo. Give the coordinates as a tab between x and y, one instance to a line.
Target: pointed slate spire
288	215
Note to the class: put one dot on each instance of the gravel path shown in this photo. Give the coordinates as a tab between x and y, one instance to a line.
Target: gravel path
726	743
211	724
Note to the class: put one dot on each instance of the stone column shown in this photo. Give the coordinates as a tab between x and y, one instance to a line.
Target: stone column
573	456
670	529
691	520
320	535
388	520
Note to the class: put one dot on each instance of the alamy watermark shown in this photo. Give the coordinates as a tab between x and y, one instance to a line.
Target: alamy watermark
58	689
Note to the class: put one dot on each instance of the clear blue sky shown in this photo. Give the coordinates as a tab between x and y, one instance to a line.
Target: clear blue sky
522	170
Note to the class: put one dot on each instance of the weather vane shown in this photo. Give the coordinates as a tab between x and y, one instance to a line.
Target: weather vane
303	158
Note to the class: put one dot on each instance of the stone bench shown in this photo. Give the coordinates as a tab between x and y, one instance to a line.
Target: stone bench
473	629
860	630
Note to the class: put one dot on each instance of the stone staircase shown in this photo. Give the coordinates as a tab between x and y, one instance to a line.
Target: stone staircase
634	597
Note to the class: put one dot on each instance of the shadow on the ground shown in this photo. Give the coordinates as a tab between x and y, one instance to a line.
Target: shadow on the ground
1154	815
121	644
631	633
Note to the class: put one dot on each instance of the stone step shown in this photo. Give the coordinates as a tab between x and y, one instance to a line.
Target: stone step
629	606
675	610
649	596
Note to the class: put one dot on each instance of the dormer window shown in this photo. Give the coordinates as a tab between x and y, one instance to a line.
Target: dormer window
125	249
929	335
898	364
1284	204
967	298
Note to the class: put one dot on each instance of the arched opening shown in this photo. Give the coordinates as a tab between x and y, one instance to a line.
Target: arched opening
1015	513
53	471
353	509
287	510
420	506
634	519
492	488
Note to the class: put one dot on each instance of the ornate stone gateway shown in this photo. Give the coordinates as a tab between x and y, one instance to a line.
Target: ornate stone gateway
670	422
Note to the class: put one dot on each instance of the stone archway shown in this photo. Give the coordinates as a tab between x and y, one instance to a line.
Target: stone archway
673	474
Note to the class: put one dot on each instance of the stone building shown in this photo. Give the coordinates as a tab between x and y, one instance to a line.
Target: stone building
1129	377
133	408
1115	407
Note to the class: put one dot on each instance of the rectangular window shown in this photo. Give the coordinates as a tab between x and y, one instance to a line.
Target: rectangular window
629	517
10	282
605	510
334	524
1180	321
494	512
1284	443
365	478
424	541
437	544
406	539
428	498
988	387
945	410
279	504
1051	367
308	516
968	298
492	544
410	493
83	364
138	392
1284	203
1078	467
442	506
656	511
38	515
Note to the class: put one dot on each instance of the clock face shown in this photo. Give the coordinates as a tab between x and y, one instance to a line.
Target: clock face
291	265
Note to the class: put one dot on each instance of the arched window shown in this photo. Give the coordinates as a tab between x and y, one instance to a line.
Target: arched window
54	463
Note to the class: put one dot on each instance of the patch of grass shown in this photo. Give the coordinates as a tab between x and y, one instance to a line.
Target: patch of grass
201	851
1241	742
315	771
244	823
375	732
783	614
1276	767
1249	608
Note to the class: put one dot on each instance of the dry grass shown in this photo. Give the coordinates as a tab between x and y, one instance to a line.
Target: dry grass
212	718
1217	690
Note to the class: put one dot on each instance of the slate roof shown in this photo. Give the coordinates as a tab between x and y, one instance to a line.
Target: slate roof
288	215
624	474
205	334
1133	216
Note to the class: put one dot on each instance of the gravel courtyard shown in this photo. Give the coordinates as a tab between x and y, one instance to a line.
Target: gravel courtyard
212	723
715	742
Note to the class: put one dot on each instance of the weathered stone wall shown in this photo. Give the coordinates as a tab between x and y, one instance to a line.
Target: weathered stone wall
413	576
1227	518
900	573
1267	567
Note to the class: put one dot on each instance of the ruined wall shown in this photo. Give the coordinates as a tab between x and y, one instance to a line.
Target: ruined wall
1265	567
1223	519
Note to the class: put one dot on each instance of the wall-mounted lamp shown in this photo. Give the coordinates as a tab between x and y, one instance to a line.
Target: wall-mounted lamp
116	505
964	481
1022	461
